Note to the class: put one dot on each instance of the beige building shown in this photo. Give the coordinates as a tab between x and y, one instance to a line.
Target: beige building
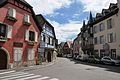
106	27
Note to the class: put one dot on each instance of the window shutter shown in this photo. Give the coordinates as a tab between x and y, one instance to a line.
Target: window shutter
33	54
9	31
12	12
112	22
36	36
114	37
15	55
29	53
27	35
27	18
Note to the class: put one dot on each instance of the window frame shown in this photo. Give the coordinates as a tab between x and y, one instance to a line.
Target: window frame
109	23
31	36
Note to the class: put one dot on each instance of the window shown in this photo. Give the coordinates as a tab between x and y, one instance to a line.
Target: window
31	54
44	38
12	13
95	29
91	41
101	27
48	40
111	37
27	18
5	31
113	53
2	31
17	54
31	36
102	39
41	37
109	24
51	41
91	30
95	40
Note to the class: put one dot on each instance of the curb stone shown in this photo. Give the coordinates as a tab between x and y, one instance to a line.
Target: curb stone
43	65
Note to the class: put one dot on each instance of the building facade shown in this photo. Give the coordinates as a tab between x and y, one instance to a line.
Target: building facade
19	34
60	49
48	40
77	49
87	36
68	48
106	32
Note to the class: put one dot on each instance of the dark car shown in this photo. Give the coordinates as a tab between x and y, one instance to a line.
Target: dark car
93	59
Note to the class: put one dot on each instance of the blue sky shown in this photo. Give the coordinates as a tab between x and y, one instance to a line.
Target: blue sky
67	16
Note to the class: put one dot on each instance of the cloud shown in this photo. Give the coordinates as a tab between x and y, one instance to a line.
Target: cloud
66	32
48	6
96	5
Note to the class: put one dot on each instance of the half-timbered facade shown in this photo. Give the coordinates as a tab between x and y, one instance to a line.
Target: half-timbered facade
48	40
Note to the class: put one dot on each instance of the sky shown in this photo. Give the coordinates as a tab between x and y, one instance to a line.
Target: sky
66	16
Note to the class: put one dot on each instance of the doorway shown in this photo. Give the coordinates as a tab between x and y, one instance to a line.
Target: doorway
49	57
3	59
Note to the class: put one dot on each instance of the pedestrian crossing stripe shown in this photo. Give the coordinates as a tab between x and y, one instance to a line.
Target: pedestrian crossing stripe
41	78
13	75
7	72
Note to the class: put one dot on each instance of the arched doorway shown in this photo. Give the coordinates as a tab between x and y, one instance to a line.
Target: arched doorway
3	59
49	57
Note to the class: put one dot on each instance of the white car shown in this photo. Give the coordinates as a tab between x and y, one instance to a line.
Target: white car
108	60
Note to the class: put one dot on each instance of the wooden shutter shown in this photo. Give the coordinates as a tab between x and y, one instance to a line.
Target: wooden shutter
12	12
27	18
29	54
27	35
114	37
36	36
9	31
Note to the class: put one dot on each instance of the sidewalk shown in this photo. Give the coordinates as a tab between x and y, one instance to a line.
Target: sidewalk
43	65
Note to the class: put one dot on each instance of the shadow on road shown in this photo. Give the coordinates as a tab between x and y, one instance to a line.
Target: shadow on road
111	68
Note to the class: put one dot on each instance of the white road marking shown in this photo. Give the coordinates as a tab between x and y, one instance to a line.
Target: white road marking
18	77
54	79
41	78
29	77
14	74
7	72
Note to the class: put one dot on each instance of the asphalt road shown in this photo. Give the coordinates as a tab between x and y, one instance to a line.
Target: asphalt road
68	69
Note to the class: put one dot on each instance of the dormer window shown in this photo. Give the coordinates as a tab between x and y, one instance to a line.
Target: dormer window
27	19
12	14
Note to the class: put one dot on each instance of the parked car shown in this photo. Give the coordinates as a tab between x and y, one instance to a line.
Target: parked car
78	57
93	59
65	55
84	57
108	60
69	55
